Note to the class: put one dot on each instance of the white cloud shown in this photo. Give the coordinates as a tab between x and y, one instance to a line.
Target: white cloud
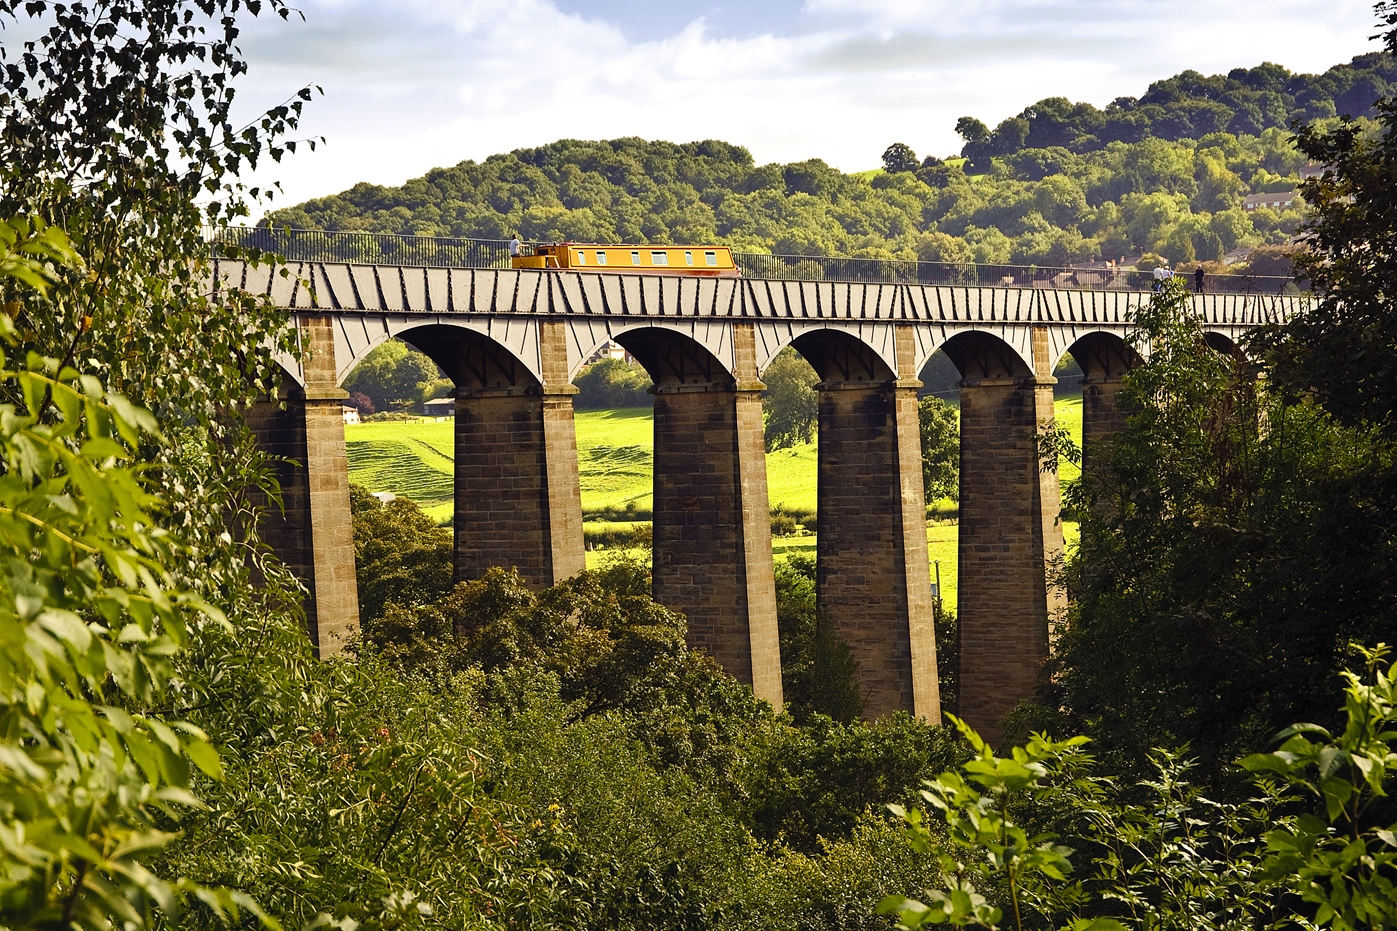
422	83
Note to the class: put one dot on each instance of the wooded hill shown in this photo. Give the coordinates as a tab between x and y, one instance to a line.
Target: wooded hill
1245	101
1066	189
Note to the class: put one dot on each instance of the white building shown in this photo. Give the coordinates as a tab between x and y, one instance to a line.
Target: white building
1276	200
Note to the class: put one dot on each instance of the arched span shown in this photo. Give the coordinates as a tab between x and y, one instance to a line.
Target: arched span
840	357
774	336
470	359
356	335
981	356
1101	354
587	336
671	358
1224	344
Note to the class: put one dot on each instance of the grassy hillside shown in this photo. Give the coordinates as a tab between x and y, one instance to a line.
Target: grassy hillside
615	452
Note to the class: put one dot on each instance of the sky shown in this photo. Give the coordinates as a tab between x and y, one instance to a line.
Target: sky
414	84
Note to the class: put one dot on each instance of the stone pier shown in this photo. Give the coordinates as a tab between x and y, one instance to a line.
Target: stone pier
873	584
1104	359
711	517
313	533
1010	535
517	494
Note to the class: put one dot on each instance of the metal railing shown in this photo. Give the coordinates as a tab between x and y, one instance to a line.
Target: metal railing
441	252
1076	277
367	248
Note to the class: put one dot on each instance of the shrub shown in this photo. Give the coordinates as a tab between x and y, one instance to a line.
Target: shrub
611	384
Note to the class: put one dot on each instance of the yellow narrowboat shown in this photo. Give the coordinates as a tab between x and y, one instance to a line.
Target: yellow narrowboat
699	261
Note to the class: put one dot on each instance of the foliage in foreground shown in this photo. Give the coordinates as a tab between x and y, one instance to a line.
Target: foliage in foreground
92	773
1233	543
1040	839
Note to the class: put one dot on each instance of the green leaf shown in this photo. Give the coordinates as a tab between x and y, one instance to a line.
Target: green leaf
205	757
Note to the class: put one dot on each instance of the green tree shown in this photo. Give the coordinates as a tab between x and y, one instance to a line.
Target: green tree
898	158
395	376
119	128
1214	596
819	780
1344	347
400	555
790	403
611	384
940	433
817	669
943	247
94	773
972	130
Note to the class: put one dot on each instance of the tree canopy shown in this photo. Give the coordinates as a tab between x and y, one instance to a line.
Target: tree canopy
1189	105
1036	205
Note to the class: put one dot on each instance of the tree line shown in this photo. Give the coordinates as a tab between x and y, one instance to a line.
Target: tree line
1180	199
1189	105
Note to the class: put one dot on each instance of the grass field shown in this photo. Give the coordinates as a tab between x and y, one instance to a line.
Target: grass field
615	452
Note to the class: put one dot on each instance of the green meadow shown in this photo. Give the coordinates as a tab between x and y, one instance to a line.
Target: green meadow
615	452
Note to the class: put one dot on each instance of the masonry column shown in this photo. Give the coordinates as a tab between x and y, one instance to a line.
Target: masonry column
873	581
518	498
712	520
1101	417
1010	539
1105	358
315	535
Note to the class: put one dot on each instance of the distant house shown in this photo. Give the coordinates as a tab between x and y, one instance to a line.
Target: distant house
440	407
608	350
351	414
1276	200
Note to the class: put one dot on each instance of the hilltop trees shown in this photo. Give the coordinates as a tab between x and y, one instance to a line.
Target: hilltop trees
1044	205
1244	102
899	157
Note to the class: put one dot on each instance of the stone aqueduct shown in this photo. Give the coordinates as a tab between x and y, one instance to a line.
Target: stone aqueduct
513	340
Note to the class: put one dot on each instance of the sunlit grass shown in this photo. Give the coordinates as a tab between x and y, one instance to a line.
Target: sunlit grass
615	451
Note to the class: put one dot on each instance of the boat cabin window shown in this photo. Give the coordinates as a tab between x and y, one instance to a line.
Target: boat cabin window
659	258
601	257
635	258
711	258
581	257
688	258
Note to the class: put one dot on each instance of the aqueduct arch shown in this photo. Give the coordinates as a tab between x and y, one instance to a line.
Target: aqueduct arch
548	321
1010	536
1104	359
873	584
711	515
518	500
